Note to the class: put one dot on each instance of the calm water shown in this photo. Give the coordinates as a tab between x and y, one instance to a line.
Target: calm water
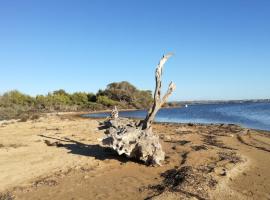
251	115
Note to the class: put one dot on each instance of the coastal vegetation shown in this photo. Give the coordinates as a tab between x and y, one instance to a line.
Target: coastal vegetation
124	95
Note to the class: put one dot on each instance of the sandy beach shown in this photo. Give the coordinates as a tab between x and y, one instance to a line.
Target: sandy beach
61	157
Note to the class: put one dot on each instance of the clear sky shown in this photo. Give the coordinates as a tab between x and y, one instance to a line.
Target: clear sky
222	47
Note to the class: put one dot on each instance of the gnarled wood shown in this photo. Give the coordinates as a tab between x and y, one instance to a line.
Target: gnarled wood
114	113
137	140
158	101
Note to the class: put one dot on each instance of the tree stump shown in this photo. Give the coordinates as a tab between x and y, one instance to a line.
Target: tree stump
136	140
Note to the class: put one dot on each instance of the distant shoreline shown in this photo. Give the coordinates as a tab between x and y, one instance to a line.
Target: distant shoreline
222	101
248	115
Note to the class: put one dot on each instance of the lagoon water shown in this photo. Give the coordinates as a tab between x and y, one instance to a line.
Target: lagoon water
250	115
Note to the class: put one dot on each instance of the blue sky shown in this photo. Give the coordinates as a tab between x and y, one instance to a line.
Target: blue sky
222	48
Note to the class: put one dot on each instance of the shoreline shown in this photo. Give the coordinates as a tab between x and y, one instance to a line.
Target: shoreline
157	122
78	114
62	150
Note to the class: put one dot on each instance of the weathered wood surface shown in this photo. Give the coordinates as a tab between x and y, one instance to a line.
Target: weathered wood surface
137	140
158	101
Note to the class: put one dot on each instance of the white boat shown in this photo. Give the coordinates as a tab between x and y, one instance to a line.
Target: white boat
186	105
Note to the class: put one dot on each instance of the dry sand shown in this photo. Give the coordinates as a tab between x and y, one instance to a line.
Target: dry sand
60	157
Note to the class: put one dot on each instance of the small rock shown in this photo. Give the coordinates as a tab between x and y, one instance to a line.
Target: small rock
168	138
221	171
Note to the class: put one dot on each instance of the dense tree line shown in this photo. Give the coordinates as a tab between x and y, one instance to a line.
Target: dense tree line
13	104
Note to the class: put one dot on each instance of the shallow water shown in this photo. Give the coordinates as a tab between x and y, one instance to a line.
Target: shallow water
250	115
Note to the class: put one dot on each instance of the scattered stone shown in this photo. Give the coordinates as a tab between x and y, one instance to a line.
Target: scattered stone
221	171
56	144
167	138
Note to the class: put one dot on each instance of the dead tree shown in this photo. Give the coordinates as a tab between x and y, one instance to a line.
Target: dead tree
137	140
158	101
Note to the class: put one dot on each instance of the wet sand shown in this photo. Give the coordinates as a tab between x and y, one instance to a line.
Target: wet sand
60	157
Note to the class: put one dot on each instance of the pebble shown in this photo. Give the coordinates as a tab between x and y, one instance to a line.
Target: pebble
168	138
221	171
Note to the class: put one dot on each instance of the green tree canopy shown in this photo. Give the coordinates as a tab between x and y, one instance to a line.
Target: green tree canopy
127	93
123	94
15	97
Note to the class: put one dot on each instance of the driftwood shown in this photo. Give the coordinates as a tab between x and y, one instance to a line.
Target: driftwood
158	101
114	113
137	140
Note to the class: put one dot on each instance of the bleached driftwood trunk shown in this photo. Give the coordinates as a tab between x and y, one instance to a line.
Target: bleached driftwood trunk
137	140
158	101
114	113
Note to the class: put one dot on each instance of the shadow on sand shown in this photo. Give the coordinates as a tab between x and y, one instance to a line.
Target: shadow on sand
95	150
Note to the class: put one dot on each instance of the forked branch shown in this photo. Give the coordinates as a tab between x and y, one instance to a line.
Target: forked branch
158	101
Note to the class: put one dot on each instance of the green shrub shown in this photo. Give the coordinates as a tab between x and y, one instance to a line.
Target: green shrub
15	97
95	106
104	100
14	104
128	94
92	97
79	98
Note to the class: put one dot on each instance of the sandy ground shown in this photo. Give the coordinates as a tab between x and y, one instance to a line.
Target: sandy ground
60	157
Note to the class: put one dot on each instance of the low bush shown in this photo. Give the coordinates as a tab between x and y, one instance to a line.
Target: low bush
14	104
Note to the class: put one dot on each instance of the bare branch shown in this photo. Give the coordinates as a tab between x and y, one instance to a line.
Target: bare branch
158	102
114	113
170	90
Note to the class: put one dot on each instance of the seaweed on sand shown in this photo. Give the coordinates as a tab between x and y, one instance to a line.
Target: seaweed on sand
213	141
199	147
186	180
230	156
6	196
240	139
184	156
